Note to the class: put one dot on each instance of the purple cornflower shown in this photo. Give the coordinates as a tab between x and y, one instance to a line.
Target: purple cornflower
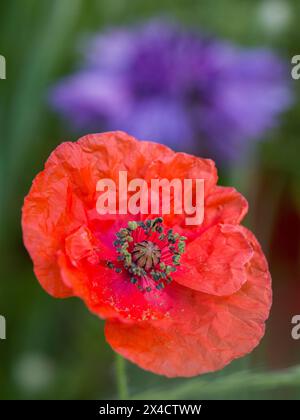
161	82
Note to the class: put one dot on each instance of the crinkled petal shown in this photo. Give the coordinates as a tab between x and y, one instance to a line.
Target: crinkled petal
111	295
215	262
205	332
224	205
49	213
63	196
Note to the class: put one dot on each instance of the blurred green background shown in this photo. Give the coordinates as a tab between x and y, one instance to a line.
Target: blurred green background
56	348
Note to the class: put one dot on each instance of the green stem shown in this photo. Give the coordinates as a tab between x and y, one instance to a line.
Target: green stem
121	377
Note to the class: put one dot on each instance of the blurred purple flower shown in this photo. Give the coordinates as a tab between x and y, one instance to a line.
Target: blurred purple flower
161	82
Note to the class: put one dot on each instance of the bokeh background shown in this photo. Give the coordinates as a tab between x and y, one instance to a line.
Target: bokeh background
56	348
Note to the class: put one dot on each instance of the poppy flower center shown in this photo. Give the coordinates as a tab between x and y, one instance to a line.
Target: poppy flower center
148	252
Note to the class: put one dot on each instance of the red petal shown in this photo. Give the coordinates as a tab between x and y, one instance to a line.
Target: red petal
50	212
204	333
110	294
224	205
63	196
105	292
182	166
215	263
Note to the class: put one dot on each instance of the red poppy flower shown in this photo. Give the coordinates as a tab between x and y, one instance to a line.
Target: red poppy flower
178	300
